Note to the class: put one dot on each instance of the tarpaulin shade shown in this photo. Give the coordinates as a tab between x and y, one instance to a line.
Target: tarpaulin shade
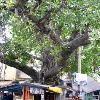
11	88
19	86
55	89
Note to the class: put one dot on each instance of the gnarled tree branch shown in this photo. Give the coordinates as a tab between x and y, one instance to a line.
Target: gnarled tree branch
24	68
79	40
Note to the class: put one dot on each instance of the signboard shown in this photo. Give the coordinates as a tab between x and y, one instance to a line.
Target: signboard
80	78
36	91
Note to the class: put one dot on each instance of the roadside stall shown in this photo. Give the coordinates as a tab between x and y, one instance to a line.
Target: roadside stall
43	92
53	93
29	91
7	91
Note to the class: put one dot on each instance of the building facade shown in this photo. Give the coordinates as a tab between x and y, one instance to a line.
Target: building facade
10	73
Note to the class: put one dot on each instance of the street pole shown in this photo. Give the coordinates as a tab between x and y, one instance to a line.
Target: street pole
79	67
79	59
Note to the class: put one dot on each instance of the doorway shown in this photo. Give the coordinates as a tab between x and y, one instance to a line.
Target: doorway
49	96
37	96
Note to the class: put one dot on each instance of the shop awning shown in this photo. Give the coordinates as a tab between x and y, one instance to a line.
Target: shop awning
18	87
55	89
11	88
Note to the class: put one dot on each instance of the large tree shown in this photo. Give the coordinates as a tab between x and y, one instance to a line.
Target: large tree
52	29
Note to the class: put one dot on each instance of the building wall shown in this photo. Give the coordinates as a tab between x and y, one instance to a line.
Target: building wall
92	96
10	73
88	96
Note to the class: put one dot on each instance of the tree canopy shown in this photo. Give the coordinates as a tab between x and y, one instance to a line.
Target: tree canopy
50	31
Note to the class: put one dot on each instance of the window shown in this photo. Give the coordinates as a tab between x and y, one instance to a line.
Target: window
95	97
96	93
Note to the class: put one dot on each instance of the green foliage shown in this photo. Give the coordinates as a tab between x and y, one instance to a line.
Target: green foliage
91	53
72	16
90	56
